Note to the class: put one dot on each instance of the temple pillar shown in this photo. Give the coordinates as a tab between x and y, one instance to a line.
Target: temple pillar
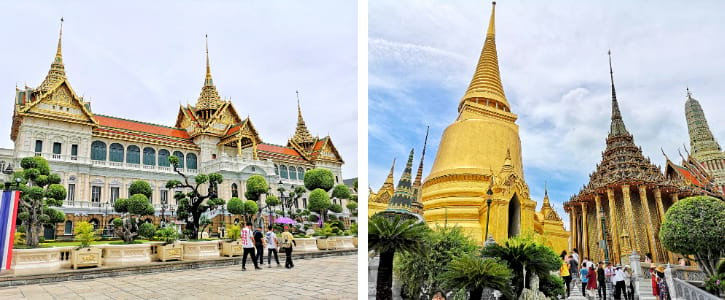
614	253
575	229
668	256
598	229
585	232
649	228
633	245
571	228
675	198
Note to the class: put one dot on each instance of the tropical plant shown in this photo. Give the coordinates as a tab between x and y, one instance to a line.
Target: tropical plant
352	206
168	234
341	191
147	230
233	232
353	229
388	236
420	273
319	179
526	257
552	286
193	204
319	202
696	226
41	190
473	273
133	208
85	234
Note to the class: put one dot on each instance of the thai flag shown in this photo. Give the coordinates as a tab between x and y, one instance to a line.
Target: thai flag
8	214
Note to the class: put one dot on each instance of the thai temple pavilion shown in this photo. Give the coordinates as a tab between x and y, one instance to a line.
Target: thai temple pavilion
481	150
98	156
703	145
632	195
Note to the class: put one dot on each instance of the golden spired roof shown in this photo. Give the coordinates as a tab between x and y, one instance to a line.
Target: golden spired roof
56	73
419	175
302	135
209	97
486	82
617	127
390	181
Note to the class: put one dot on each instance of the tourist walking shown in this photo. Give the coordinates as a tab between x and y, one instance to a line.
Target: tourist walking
619	284
259	244
271	246
628	282
653	276
591	287
662	288
565	273
248	247
288	241
583	272
602	281
574	266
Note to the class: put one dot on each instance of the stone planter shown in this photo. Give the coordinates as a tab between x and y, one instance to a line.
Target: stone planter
86	257
200	250
126	255
329	243
40	260
232	248
169	252
345	242
354	241
306	245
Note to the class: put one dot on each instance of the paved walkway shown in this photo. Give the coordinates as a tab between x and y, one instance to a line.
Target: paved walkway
318	278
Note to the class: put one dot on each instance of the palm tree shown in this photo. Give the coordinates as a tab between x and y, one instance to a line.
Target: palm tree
474	273
388	235
525	257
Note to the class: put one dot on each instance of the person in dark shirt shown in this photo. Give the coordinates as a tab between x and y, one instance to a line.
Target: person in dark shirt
259	244
602	280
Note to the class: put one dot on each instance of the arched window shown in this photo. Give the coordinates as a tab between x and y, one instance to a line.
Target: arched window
133	155
180	156
300	173
235	190
283	172
149	156
191	161
98	150
116	152
68	230
292	173
164	158
276	170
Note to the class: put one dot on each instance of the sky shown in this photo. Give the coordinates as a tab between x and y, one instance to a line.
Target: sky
139	60
554	68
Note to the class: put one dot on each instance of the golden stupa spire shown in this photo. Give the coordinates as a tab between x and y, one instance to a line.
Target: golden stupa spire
390	180
546	195
302	135
486	87
419	175
209	97
617	127
57	71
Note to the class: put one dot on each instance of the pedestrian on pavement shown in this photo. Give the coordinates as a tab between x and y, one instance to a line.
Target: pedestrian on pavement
248	247
653	276
663	289
591	286
574	266
288	241
565	273
602	281
609	273
575	255
628	282
259	243
583	272
619	284
271	246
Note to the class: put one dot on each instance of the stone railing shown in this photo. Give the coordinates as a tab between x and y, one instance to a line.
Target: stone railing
681	289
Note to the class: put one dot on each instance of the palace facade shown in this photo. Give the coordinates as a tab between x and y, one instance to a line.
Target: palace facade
98	156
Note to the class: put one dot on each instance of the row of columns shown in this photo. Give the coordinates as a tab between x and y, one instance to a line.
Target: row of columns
619	228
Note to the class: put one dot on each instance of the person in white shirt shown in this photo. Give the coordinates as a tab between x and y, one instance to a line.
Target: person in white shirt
619	285
248	246
271	246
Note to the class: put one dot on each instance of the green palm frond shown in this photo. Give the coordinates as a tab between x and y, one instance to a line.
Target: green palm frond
471	272
396	234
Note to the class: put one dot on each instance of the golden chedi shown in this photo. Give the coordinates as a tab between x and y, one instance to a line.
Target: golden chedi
482	150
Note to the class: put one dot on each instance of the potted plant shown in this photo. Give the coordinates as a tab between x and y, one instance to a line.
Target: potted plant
170	249
85	255
233	246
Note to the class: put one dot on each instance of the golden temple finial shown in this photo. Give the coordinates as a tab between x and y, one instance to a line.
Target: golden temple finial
302	135
689	94
208	80
617	126
486	86
390	179
56	74
419	175
59	52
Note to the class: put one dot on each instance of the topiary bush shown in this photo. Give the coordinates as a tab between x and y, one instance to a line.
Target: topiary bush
233	232
85	234
319	179
147	230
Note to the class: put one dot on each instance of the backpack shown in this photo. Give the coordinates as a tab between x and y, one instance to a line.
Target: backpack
286	242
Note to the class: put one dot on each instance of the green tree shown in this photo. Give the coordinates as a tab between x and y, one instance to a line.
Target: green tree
319	202
352	206
341	191
41	190
133	208
85	234
140	187
473	273
336	208
256	186
235	206
420	272
272	200
526	257
295	195
354	184
193	204
319	179
388	236
250	208
696	226
147	230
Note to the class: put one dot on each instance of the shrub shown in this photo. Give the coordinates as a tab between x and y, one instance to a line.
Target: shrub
233	232
256	186
319	179
167	234
85	233
341	191
140	187
147	230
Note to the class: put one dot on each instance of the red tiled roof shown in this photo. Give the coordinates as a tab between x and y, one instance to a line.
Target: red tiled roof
319	144
234	129
142	127
688	175
278	149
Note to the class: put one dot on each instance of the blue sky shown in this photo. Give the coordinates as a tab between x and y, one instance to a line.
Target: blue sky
140	59
554	68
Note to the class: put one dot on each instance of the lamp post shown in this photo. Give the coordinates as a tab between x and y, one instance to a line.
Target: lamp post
281	197
489	192
105	223
603	242
164	204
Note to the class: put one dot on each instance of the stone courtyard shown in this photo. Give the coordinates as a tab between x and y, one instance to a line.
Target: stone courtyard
319	278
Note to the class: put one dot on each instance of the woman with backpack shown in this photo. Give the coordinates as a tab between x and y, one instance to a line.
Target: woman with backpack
287	242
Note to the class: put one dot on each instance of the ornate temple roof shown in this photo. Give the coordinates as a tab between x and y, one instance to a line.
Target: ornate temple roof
419	174
403	197
701	138
56	74
693	177
486	82
548	212
209	96
302	135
